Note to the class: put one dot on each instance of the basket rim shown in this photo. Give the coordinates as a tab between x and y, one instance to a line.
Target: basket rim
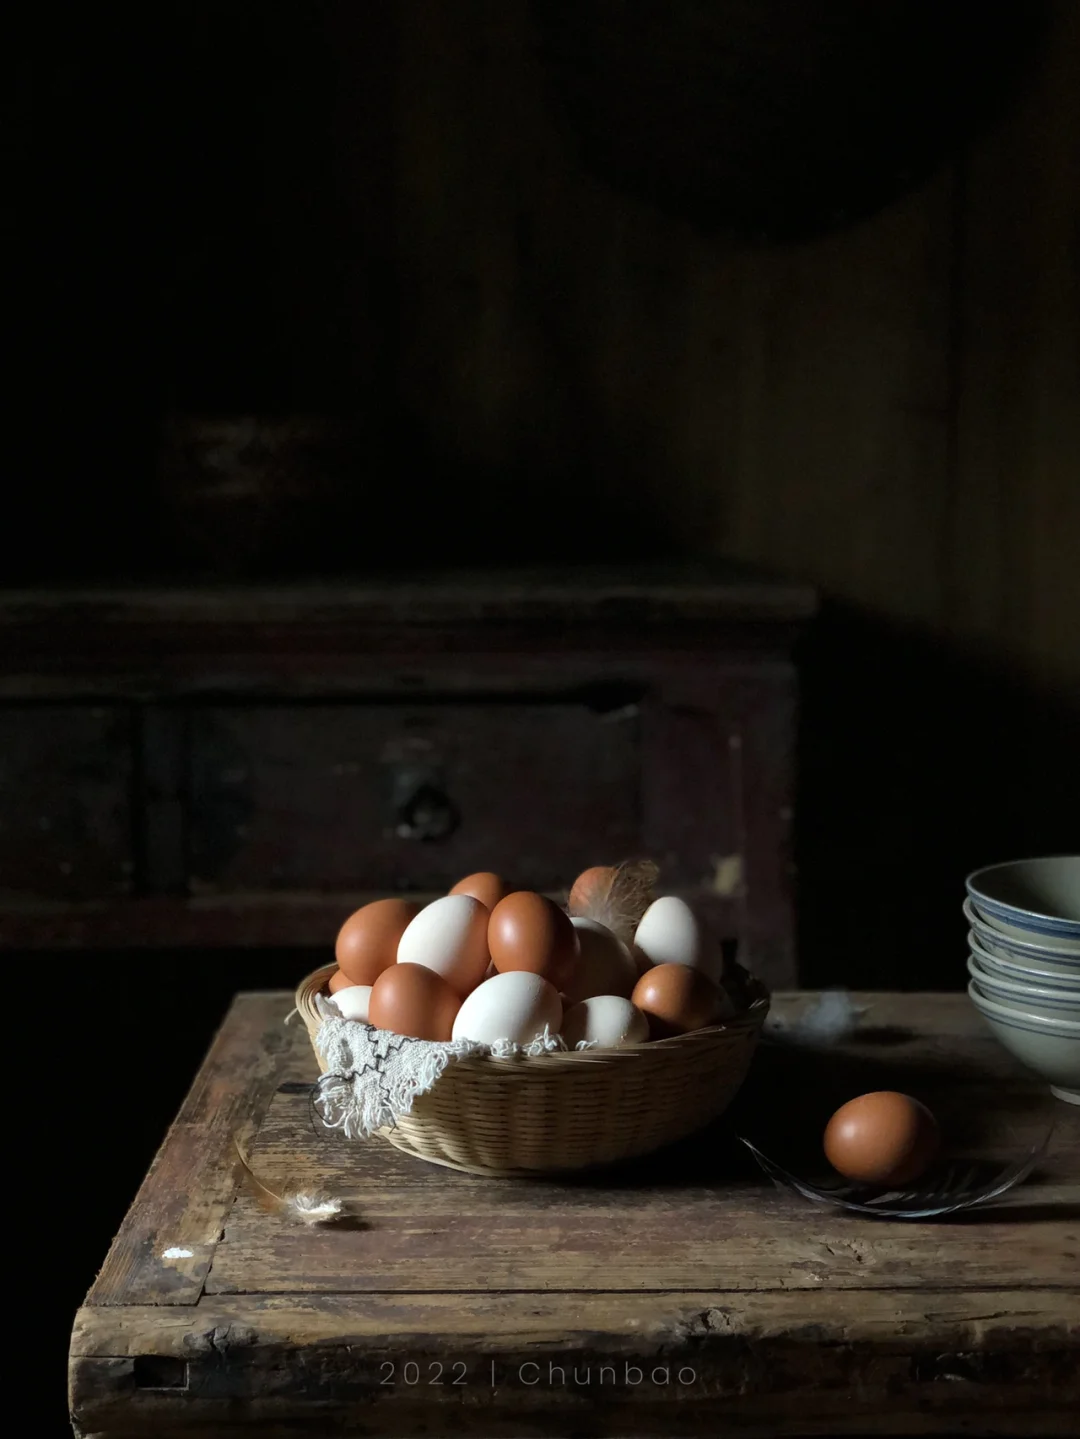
746	1021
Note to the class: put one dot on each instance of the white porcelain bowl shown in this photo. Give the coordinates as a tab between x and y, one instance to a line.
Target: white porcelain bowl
1031	899
1034	999
1067	977
1046	954
1051	1047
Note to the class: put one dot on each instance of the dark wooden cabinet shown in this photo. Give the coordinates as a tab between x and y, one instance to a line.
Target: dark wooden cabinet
66	800
409	795
241	767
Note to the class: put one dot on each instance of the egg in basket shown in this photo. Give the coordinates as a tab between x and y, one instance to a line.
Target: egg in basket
578	1036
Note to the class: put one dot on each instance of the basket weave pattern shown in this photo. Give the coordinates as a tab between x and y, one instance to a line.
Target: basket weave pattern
563	1111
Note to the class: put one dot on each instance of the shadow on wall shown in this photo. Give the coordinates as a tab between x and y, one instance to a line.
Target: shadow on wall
918	764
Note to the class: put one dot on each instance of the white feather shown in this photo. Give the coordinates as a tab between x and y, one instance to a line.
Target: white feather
312	1208
304	1205
833	1017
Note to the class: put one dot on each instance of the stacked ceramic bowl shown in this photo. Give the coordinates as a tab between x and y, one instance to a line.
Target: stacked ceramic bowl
1025	963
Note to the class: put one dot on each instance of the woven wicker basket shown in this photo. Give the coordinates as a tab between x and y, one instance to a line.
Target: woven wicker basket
564	1111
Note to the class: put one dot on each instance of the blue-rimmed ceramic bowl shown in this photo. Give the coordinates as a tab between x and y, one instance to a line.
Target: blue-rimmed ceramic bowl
1051	1047
1064	978
1046	955
1035	900
1034	999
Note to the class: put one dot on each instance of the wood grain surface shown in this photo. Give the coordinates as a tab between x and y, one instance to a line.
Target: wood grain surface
698	1216
494	1365
166	1243
513	1308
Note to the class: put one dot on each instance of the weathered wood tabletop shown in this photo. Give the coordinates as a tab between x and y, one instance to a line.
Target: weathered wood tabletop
678	1295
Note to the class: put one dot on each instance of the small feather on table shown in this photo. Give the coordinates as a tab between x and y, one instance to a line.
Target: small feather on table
304	1206
833	1018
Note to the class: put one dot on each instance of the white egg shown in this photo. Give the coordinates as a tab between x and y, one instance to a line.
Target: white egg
607	1020
517	1006
450	937
669	933
604	966
353	1000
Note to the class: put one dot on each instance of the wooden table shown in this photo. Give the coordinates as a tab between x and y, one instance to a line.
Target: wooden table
683	1295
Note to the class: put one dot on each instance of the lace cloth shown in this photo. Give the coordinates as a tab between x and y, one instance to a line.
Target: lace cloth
372	1076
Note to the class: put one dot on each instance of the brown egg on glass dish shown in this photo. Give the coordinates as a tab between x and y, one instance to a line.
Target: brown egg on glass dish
528	931
413	1000
676	999
488	888
368	940
883	1138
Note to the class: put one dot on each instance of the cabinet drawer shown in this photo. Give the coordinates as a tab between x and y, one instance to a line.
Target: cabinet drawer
66	820
371	795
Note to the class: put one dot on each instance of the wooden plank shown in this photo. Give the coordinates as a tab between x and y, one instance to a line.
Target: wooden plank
939	1318
165	1245
702	1213
619	1421
376	662
493	1364
682	591
722	1240
188	1193
942	1328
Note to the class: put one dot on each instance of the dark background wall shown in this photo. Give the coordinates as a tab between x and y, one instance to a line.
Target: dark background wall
321	291
325	288
376	219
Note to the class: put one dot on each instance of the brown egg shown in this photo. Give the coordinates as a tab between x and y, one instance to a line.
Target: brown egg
528	931
367	942
338	981
488	888
412	999
588	886
676	999
882	1138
